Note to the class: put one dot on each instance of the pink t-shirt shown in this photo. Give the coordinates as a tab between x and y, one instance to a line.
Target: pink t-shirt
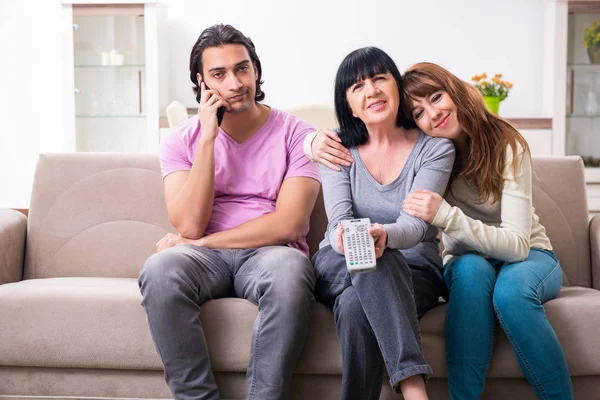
247	175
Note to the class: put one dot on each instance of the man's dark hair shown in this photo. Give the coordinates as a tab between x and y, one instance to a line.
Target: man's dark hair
220	35
362	64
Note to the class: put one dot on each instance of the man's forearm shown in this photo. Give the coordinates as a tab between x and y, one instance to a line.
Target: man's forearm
191	209
269	230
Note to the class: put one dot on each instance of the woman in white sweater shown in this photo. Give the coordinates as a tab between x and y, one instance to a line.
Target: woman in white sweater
499	264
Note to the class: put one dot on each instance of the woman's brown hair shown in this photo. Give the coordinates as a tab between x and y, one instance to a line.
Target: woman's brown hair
487	134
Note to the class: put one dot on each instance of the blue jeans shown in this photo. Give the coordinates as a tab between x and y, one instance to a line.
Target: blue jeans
376	317
177	281
485	290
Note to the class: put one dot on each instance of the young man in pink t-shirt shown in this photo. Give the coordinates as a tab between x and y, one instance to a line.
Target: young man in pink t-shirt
240	196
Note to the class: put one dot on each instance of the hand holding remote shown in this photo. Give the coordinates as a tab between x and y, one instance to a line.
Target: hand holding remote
358	244
340	237
379	236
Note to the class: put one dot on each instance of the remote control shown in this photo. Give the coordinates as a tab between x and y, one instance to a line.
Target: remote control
359	247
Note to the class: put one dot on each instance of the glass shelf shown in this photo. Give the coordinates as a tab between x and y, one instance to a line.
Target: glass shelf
110	82
585	67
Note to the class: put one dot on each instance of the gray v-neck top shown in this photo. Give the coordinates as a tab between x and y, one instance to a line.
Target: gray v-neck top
354	193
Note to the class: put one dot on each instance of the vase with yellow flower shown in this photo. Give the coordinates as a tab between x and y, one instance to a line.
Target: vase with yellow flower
493	91
591	41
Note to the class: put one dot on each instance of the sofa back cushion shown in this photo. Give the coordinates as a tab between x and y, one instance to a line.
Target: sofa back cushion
102	214
560	201
94	215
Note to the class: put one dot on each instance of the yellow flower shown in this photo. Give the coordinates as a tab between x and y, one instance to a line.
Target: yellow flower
591	36
494	87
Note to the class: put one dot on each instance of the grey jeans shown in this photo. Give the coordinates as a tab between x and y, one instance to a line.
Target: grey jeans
177	281
376	318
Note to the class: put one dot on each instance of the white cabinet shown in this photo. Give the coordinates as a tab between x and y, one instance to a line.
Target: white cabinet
576	92
576	88
114	84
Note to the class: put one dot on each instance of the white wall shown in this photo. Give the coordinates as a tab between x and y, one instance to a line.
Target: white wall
300	43
30	93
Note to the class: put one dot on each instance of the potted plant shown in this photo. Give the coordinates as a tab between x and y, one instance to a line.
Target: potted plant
493	91
591	41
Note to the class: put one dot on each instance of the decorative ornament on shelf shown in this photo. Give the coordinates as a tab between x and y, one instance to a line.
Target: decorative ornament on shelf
590	107
591	41
493	91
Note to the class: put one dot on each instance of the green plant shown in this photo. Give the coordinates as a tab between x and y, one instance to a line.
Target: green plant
496	87
591	37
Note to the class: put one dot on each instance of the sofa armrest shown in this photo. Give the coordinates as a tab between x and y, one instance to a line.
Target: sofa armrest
595	250
13	231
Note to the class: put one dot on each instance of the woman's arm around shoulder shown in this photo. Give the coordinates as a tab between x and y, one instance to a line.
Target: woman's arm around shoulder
325	147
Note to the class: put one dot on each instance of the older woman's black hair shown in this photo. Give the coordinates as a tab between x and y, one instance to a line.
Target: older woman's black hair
220	35
362	64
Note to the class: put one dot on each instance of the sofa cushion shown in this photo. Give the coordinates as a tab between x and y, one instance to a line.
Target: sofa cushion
573	315
75	322
100	323
94	215
564	214
100	215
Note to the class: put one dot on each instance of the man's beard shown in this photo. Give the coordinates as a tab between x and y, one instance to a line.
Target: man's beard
248	102
241	108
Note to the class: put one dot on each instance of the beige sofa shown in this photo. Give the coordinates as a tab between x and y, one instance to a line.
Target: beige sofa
71	323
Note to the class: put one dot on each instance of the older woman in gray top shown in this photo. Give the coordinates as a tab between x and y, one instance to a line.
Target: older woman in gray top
376	313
